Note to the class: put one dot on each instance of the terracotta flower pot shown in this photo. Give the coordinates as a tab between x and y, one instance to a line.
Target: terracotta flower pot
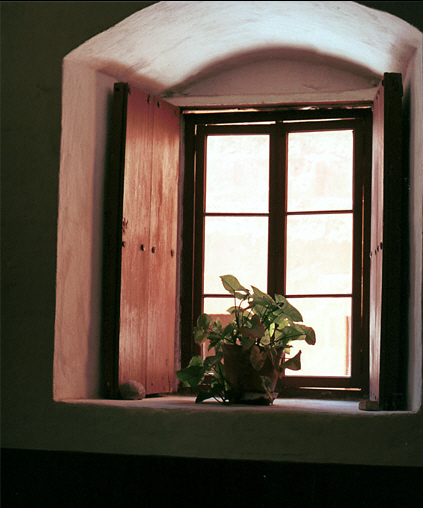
246	382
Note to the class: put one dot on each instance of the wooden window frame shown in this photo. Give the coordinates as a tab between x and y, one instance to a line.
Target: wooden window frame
197	126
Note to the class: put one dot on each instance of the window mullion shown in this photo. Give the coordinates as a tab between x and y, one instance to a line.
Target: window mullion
277	211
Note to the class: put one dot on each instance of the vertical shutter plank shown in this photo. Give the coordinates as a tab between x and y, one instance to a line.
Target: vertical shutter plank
135	239
164	218
375	242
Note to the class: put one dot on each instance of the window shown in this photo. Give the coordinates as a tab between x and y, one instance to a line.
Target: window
364	223
380	237
279	204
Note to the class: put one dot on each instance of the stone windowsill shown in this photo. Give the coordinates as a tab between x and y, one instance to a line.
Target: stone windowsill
182	402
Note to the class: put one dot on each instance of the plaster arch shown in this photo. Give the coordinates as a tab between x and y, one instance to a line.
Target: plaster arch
170	44
195	54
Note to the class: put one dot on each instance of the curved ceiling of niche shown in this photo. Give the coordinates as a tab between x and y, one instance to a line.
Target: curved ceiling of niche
272	74
170	47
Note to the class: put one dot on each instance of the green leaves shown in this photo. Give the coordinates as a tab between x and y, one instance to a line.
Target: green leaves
201	331
193	374
211	361
253	328
261	326
216	390
257	357
289	310
310	334
294	332
260	298
233	286
204	322
247	342
293	363
204	395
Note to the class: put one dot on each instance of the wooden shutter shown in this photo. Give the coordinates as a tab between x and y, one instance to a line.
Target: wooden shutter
387	303
139	343
163	240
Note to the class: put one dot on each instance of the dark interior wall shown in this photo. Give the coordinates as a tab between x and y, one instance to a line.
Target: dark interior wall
35	37
76	480
412	12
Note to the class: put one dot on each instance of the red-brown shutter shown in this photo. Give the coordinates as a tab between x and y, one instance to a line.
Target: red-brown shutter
145	168
163	241
387	305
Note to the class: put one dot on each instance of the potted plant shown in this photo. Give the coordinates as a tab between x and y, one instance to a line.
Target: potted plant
248	355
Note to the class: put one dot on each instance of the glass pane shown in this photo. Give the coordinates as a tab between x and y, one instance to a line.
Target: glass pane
320	171
237	176
236	246
331	320
217	308
319	254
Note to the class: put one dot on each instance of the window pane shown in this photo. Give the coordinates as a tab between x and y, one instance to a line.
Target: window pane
331	355
236	246
237	175
320	171
319	254
217	308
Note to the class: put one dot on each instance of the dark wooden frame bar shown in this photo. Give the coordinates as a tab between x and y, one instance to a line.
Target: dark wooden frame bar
112	247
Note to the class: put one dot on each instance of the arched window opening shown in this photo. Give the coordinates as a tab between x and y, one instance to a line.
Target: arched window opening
90	72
